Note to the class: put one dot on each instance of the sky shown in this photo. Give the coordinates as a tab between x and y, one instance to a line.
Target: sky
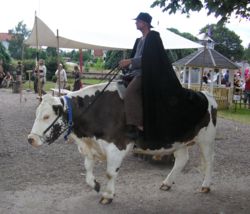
75	18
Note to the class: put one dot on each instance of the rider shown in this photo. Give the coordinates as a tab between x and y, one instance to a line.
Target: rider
155	101
132	99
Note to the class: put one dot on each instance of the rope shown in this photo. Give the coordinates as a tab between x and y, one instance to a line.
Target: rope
98	96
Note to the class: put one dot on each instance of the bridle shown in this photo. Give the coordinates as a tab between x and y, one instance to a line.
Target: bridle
69	126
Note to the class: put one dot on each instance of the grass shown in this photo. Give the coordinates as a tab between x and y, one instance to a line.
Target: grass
241	115
50	84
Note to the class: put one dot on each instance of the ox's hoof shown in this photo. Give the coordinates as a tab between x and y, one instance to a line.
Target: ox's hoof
165	187
105	201
205	190
97	186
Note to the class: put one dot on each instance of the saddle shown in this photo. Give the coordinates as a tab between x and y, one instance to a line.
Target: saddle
124	79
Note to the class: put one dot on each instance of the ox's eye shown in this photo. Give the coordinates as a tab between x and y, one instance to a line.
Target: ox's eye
46	117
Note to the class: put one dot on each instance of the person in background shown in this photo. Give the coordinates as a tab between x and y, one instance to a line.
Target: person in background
61	77
247	87
77	77
226	79
19	71
205	78
40	77
237	82
2	74
7	80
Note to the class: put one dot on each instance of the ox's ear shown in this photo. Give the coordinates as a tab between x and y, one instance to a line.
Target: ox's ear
58	109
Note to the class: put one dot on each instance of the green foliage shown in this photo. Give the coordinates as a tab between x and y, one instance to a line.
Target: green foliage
74	55
33	53
113	57
51	52
4	56
219	8
19	34
99	64
175	55
30	53
226	41
51	64
246	55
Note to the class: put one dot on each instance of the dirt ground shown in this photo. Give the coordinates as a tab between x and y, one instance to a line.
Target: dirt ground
50	179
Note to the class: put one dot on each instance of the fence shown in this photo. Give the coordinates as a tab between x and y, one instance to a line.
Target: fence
222	95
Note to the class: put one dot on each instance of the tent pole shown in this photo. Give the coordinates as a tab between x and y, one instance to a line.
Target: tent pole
202	68
21	80
59	80
37	60
80	60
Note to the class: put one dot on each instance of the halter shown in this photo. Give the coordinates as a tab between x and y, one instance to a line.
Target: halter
70	121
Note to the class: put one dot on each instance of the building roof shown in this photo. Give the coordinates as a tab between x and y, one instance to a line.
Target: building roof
5	36
208	58
98	53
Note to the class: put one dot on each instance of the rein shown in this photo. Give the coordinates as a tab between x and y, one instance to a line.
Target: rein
102	91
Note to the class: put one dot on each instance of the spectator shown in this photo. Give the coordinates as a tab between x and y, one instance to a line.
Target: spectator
2	74
205	77
77	76
237	82
61	77
226	79
7	80
247	87
19	71
40	77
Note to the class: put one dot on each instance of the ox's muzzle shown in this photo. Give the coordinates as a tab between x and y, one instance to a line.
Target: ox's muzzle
34	140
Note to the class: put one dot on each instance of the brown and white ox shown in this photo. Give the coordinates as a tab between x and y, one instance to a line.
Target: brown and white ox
98	129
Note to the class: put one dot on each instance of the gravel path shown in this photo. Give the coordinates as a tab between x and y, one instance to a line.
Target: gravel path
50	179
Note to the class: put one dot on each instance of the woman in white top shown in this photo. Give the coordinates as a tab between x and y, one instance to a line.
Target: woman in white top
61	77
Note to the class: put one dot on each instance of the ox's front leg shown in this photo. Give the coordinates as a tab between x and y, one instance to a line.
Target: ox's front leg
90	178
114	160
181	158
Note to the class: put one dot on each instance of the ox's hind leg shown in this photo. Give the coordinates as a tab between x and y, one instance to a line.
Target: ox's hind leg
90	178
181	158
207	154
114	160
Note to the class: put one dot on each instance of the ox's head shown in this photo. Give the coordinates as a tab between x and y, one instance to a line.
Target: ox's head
49	123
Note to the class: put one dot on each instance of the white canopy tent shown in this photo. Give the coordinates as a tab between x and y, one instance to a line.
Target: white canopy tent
42	35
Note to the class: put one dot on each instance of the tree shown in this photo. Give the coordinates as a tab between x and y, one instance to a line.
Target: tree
175	55
247	53
4	56
222	9
19	34
226	41
113	58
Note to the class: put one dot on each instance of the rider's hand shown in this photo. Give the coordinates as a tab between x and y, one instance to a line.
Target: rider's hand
124	63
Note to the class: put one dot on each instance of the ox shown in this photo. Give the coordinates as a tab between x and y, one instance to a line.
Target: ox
97	125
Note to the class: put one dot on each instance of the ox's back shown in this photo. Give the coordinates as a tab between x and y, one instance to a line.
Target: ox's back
99	115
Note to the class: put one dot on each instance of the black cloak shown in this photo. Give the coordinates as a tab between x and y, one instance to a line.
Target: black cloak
170	112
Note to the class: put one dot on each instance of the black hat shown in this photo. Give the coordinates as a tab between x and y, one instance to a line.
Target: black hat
145	17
